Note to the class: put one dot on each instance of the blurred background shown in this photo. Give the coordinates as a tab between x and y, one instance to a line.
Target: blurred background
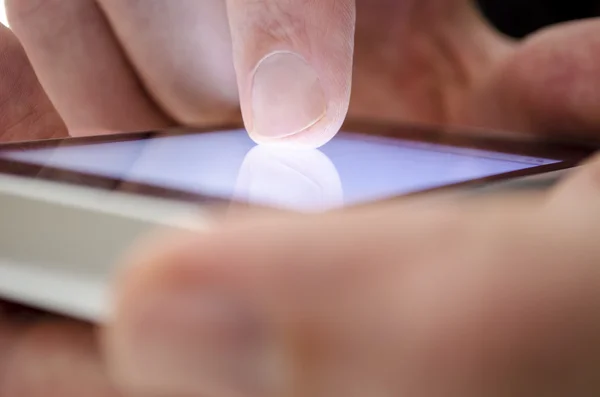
518	18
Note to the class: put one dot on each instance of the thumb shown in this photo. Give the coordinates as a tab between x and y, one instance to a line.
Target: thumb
294	67
548	85
368	302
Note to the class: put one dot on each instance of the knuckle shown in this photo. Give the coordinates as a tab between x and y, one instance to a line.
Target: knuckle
290	20
278	22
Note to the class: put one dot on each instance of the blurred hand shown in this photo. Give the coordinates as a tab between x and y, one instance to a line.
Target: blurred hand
489	298
496	297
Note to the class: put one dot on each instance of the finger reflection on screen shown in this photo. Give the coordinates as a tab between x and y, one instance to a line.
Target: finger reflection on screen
304	180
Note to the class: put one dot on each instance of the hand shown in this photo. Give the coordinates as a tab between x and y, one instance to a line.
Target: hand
113	65
475	298
495	297
420	73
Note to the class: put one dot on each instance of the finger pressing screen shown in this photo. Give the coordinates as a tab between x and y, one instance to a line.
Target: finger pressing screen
293	61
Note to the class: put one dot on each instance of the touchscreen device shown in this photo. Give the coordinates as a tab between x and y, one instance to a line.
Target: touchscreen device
71	207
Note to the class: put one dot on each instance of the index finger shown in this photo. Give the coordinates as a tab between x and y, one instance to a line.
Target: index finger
293	62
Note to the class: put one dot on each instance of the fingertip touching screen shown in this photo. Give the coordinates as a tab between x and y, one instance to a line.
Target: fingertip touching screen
352	169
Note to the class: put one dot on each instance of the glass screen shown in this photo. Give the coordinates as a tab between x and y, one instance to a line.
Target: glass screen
351	169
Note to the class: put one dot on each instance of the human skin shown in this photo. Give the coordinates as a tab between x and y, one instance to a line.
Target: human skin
494	297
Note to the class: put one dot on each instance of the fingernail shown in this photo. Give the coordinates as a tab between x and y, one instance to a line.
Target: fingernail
287	96
202	345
